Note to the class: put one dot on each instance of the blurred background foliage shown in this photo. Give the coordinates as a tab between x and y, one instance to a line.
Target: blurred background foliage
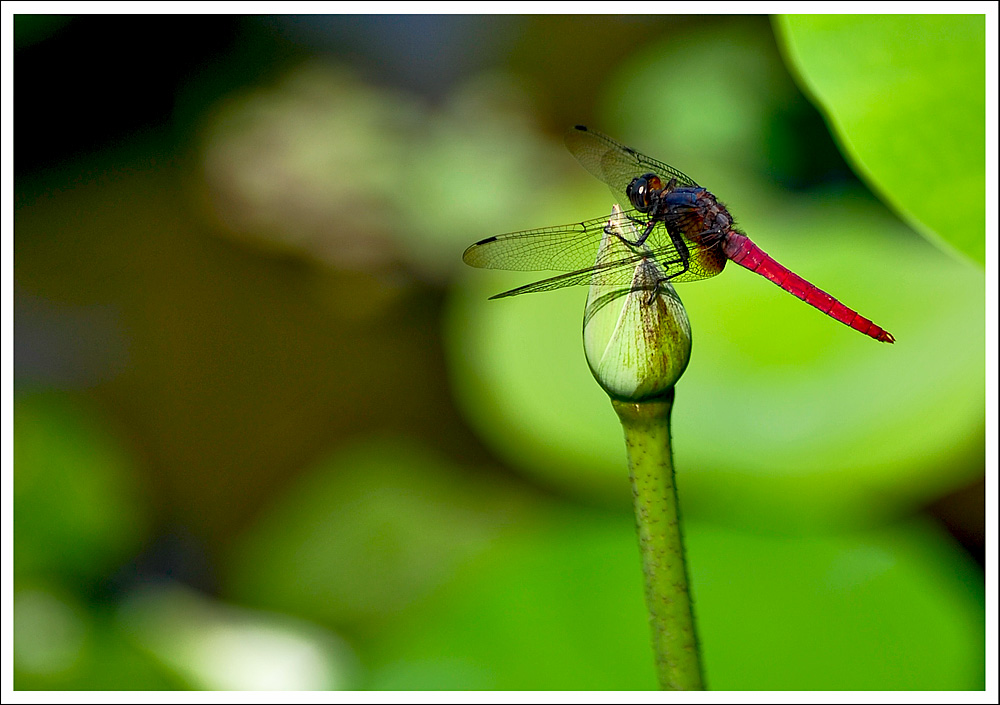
269	432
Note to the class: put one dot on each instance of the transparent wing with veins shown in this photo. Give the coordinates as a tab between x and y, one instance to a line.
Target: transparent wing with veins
614	163
573	249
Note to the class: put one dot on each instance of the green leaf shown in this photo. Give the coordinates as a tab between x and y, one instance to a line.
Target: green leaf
366	532
77	504
558	606
905	96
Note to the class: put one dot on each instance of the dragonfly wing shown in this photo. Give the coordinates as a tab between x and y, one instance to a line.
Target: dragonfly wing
560	248
614	163
621	271
703	263
573	249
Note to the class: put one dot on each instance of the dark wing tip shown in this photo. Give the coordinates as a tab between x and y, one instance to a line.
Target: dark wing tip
469	256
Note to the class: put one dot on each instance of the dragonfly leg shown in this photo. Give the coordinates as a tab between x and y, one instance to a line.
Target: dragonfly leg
647	230
656	287
646	233
683	259
608	230
683	254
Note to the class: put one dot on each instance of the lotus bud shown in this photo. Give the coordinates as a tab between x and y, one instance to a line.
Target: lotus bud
636	333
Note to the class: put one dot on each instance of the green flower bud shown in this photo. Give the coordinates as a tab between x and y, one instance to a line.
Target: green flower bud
636	335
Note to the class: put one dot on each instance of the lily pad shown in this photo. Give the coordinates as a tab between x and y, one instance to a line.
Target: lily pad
905	96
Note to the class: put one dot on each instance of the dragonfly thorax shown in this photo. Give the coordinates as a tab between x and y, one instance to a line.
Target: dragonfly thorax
694	212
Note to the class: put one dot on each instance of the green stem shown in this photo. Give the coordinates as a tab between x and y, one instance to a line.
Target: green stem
651	470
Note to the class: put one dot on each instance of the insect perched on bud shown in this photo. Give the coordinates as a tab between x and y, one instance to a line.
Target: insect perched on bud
680	226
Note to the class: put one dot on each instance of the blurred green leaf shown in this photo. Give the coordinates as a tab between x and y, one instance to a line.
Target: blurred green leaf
905	95
51	632
559	606
553	605
76	505
892	609
366	532
60	644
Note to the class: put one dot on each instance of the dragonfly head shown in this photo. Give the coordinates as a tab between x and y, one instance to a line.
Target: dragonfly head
641	190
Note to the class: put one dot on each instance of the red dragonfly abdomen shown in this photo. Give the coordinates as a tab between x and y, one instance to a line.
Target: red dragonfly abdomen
741	250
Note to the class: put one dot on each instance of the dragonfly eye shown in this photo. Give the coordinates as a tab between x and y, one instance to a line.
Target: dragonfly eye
640	190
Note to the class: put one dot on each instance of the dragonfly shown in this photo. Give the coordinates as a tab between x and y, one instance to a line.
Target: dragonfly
680	225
